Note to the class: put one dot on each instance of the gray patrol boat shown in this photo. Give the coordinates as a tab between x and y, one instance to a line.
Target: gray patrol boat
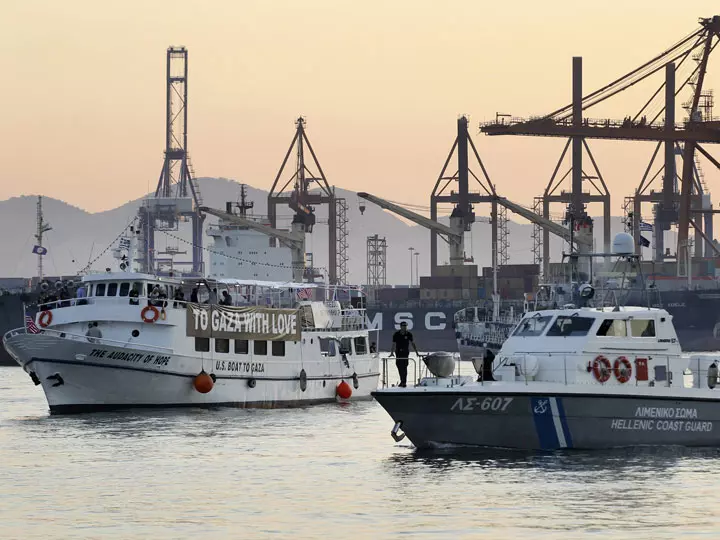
583	378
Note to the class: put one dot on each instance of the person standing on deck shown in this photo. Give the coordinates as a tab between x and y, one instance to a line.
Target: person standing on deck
402	339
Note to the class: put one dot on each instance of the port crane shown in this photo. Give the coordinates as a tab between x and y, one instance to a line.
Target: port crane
698	128
295	192
454	234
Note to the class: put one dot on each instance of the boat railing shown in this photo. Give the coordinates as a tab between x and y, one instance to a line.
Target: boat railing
385	375
347	315
88	339
351	319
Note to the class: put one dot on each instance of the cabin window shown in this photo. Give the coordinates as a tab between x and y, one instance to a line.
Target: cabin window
202	344
222	345
327	346
278	348
346	345
112	289
241	346
612	328
360	345
100	289
124	289
571	326
260	347
532	326
642	328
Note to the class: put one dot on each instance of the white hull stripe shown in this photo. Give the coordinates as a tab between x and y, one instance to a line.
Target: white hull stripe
556	421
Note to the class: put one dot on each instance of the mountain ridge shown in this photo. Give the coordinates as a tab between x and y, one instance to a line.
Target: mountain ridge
79	236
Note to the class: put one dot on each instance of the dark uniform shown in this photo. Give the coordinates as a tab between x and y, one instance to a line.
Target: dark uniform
402	343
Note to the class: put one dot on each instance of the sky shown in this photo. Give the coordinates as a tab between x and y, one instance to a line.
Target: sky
380	83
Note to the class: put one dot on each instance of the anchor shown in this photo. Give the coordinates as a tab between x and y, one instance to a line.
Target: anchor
396	428
57	378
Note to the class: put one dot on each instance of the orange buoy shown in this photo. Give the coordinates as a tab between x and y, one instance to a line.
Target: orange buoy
203	382
343	390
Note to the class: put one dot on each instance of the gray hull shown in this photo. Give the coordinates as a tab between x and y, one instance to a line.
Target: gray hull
549	422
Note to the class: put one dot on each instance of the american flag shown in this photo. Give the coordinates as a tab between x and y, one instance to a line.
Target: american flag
30	325
304	294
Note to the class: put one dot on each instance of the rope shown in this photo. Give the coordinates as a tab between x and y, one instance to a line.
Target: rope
110	245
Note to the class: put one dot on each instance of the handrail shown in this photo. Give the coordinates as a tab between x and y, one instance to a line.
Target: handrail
385	373
89	339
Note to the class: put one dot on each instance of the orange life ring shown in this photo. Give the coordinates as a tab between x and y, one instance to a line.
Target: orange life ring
154	314
601	368
622	369
45	318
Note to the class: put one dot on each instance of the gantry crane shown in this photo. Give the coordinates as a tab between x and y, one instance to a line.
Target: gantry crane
568	122
300	200
178	192
454	234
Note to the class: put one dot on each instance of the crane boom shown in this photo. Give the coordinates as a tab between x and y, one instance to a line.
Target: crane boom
412	216
528	214
291	239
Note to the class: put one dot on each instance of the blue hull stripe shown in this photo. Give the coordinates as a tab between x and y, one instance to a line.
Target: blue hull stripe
544	425
563	422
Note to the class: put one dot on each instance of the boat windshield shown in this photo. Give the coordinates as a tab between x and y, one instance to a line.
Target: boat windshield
532	326
571	326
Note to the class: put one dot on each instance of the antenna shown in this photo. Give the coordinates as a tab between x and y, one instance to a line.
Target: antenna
42	228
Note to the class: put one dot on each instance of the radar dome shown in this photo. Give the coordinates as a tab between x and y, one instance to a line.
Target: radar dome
623	244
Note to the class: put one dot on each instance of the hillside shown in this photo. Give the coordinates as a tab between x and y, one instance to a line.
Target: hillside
78	236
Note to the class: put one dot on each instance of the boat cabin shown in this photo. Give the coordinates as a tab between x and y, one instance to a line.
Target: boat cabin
592	345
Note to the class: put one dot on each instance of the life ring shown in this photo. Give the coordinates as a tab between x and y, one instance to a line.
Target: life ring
45	318
154	314
622	369
601	368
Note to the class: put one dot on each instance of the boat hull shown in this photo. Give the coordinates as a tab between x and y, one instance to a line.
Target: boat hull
75	379
550	421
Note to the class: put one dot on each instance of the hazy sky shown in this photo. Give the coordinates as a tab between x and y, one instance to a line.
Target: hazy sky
381	84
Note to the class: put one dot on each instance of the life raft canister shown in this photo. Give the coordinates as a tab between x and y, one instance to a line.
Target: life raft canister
149	314
601	369
45	318
623	369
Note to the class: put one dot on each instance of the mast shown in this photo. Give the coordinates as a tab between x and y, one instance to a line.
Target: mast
42	228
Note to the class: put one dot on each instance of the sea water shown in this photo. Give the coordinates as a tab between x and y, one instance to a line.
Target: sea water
328	471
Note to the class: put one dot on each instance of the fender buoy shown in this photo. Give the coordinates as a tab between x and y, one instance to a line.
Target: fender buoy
343	390
303	380
356	381
203	382
622	369
45	318
149	314
601	369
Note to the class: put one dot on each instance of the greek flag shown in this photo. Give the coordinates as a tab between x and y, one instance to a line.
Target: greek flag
645	226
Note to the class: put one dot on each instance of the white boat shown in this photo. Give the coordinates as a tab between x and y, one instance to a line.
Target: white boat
268	349
582	378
